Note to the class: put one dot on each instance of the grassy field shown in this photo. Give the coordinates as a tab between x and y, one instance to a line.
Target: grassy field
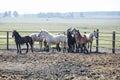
57	25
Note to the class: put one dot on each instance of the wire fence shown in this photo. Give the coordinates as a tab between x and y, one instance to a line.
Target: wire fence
106	42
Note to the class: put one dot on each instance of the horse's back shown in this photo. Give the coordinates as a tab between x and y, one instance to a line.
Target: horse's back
26	39
89	38
62	37
58	38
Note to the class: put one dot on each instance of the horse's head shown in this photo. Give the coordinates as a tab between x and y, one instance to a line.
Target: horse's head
43	33
69	30
76	33
15	34
95	33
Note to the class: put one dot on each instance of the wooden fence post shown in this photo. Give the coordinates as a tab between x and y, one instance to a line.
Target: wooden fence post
97	41
7	40
113	42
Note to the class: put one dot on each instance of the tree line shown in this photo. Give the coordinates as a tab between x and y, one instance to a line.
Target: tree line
62	15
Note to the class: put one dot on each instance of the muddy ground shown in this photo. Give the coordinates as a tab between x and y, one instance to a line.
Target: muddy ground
59	66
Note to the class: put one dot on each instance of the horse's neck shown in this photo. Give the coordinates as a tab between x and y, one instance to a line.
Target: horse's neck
17	36
80	35
91	35
49	35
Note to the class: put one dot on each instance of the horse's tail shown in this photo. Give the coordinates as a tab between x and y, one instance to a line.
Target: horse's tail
31	41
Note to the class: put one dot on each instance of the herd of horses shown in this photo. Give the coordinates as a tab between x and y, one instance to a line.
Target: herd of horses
69	41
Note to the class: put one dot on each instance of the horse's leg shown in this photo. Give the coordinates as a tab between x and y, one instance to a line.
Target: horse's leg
73	47
57	47
85	49
32	44
62	49
91	47
19	47
82	47
40	44
27	47
66	46
50	49
76	47
88	45
31	47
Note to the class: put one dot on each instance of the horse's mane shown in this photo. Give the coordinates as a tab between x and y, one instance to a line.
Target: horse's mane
46	31
79	33
16	33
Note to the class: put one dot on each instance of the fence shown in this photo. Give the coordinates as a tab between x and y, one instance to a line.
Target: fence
7	43
102	37
111	42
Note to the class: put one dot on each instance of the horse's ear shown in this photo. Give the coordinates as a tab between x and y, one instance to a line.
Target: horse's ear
14	31
74	29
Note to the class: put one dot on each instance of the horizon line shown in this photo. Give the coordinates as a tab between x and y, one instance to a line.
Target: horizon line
56	12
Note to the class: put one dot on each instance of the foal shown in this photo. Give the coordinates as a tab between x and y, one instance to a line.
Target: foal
21	40
90	37
80	40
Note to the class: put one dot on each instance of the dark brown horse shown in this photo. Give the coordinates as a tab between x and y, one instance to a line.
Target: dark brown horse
70	40
81	41
22	40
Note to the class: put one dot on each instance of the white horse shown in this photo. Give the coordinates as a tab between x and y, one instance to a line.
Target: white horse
54	39
37	39
90	37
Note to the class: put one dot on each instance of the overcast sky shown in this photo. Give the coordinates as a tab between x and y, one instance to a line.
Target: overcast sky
35	6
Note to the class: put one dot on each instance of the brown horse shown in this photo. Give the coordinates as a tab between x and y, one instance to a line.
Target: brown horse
81	41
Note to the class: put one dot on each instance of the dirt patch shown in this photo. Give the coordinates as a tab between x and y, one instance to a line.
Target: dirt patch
59	66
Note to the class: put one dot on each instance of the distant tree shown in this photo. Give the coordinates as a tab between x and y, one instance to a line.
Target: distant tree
43	15
81	15
15	14
9	13
67	15
5	14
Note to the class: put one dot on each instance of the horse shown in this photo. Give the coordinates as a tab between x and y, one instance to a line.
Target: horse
39	39
71	40
21	40
81	41
53	39
90	37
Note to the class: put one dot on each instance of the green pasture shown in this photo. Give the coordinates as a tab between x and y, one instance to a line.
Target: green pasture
59	26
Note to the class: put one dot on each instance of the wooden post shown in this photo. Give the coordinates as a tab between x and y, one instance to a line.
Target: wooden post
113	42
7	40
97	41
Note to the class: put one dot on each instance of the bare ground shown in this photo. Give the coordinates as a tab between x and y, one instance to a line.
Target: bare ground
59	66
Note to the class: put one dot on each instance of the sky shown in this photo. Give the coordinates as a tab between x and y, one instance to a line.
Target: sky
36	6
